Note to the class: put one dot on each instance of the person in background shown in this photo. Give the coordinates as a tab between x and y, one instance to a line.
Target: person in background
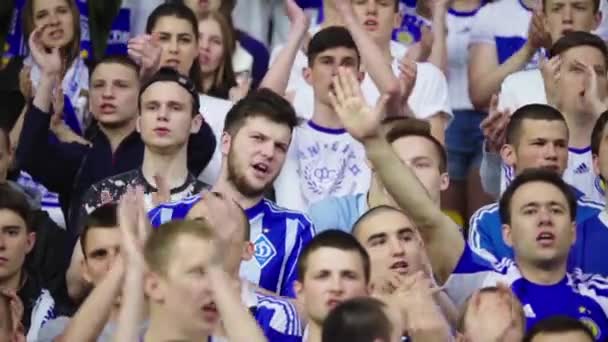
464	138
561	328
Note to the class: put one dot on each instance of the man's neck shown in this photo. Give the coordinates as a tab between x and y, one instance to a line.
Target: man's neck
12	283
314	332
580	128
160	330
549	274
171	166
118	134
325	116
465	5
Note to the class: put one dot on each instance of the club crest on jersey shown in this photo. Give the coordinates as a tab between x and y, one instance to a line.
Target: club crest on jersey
595	329
264	251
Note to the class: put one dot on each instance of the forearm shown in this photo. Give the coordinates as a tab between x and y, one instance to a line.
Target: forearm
91	318
77	287
372	57
448	308
438	124
485	82
15	133
277	76
439	49
238	322
132	306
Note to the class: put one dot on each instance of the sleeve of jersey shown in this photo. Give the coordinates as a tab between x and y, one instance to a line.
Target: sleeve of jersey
484	231
482	30
430	94
596	287
469	275
305	234
279	320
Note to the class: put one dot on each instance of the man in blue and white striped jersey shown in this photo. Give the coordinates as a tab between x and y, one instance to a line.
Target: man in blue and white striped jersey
257	134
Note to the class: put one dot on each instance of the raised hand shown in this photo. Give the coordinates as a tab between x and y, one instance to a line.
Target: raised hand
48	59
538	36
345	8
25	82
241	90
296	15
408	73
361	121
591	96
550	70
134	226
163	192
494	126
146	51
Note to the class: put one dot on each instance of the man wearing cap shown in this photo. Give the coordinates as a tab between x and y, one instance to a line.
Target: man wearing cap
168	106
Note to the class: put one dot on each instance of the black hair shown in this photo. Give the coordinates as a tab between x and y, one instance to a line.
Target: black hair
598	133
357	320
333	239
178	10
102	217
166	74
260	103
579	38
535	175
556	325
15	201
330	38
530	112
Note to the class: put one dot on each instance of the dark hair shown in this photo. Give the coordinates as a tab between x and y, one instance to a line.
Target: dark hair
579	38
166	74
73	49
330	38
535	175
102	217
530	112
596	6
15	201
598	133
223	78
556	325
125	61
260	103
333	239
412	127
372	212
180	11
357	320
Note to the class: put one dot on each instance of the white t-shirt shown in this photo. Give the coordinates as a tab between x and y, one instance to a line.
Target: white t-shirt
214	111
325	162
522	88
429	96
459	30
503	24
579	174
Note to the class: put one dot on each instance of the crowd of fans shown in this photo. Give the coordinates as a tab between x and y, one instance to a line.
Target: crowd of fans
301	170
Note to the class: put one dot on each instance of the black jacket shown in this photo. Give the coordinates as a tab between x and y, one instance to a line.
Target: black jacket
69	169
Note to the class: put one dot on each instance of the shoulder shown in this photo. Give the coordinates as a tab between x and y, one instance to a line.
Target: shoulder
279	314
589	204
484	214
521	77
274	209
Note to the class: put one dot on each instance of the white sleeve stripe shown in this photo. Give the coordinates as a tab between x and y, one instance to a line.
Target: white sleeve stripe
474	237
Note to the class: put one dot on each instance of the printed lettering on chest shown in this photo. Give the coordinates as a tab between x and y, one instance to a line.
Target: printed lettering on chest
328	169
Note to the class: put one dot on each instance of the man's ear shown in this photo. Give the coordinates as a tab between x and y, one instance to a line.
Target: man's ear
248	251
197	122
138	124
307	74
153	287
31	241
444	181
507	234
226	143
508	155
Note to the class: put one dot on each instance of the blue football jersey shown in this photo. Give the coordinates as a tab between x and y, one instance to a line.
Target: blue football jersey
591	241
485	228
577	295
278	236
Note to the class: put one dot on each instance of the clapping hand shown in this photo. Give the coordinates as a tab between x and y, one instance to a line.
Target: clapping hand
134	226
494	126
48	59
146	51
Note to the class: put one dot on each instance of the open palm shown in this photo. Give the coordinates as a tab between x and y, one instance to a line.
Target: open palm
359	119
